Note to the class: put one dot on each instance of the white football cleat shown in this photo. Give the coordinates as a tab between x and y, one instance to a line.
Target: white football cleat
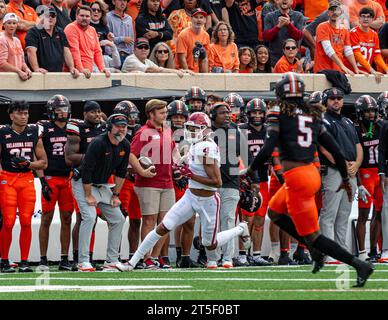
85	267
211	265
384	257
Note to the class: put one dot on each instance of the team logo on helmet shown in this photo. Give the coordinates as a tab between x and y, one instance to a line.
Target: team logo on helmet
60	103
365	103
290	86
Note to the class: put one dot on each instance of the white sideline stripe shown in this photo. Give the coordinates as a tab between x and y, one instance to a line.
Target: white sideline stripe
5	289
192	279
311	290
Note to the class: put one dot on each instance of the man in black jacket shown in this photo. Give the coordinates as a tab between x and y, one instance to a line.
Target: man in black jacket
151	24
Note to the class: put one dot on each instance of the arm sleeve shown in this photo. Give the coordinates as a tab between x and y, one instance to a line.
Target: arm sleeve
361	60
348	51
327	47
380	62
271	34
328	142
294	32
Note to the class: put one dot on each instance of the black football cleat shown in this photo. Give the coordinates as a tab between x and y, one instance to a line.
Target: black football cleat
318	260
186	262
24	266
6	268
285	260
364	271
301	257
65	265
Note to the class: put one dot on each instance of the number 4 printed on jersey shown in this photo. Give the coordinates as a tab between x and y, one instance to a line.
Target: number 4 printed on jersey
306	134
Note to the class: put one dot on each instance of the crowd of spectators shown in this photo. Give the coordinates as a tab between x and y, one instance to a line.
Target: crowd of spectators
193	36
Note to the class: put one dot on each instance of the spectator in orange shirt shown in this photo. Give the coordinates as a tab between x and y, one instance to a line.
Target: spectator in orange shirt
133	8
333	44
27	18
84	44
357	5
263	60
247	59
289	62
366	45
223	54
11	51
193	43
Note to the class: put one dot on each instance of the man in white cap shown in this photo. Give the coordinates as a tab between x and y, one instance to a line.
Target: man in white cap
11	51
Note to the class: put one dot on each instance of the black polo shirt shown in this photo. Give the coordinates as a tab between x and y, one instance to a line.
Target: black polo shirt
50	51
344	133
63	18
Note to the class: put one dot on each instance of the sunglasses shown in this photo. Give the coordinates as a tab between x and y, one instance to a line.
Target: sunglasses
143	47
290	48
96	10
162	51
52	15
336	98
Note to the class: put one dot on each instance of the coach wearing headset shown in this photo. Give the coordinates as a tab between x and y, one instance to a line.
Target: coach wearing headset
107	154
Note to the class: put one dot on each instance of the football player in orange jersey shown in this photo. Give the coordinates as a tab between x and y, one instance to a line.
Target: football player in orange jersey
22	151
297	128
366	46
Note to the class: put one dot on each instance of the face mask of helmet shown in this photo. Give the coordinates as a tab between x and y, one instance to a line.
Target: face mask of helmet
193	133
62	110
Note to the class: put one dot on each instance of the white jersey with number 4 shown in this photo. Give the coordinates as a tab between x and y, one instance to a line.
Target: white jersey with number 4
208	149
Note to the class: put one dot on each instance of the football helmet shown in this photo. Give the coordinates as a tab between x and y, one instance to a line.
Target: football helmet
382	103
315	97
177	107
129	109
198	121
365	103
58	102
256	104
290	86
195	93
236	104
250	201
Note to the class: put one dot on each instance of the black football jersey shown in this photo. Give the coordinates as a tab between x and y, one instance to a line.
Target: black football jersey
54	139
255	143
15	144
298	134
85	131
370	146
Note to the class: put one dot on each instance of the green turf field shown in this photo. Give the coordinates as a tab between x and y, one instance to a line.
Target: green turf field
239	283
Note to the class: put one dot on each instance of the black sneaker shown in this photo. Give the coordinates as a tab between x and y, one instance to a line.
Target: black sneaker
241	261
364	271
65	265
202	258
301	257
186	262
285	260
24	266
96	266
6	268
178	262
140	265
258	261
318	260
43	265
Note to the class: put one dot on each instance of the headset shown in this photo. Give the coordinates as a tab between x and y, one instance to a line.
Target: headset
213	110
109	124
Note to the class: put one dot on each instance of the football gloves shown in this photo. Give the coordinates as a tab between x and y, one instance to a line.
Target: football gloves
46	189
20	162
363	194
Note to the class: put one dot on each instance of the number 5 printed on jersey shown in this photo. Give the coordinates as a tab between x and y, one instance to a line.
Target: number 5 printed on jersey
305	137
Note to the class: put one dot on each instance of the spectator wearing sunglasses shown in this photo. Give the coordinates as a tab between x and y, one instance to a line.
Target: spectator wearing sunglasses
289	62
47	48
138	62
162	56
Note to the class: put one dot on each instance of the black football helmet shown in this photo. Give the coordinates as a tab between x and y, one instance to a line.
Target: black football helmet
129	109
250	201
290	86
365	103
177	107
382	103
315	97
58	101
256	104
195	93
237	106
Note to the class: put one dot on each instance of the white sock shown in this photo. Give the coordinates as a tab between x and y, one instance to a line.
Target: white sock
227	235
148	243
211	255
294	245
256	253
275	249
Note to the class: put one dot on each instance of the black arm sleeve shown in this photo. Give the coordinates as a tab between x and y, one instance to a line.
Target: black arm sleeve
271	141
383	148
328	142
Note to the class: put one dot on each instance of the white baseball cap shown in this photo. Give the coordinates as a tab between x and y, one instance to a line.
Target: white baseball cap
10	17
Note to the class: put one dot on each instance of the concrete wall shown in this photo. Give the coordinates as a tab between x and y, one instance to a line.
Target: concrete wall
216	82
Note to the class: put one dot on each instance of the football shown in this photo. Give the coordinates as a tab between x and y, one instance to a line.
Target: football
146	162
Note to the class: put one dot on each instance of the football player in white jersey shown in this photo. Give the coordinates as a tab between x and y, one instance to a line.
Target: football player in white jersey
204	175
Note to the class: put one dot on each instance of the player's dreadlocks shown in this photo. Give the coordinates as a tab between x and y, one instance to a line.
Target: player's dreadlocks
288	106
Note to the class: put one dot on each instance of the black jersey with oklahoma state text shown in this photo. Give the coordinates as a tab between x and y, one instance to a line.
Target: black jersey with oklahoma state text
54	140
255	143
298	134
86	131
15	144
370	145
